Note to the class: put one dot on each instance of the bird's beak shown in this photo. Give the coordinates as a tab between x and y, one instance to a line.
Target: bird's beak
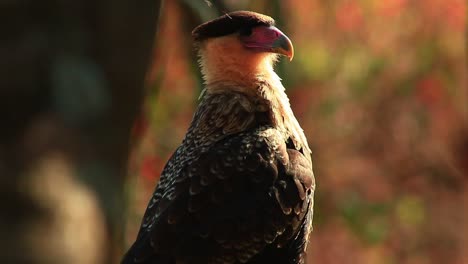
269	39
283	45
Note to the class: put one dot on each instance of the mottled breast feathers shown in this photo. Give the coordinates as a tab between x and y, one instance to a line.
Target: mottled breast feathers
236	191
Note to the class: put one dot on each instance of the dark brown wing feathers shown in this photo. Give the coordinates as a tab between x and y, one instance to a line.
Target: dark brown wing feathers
237	197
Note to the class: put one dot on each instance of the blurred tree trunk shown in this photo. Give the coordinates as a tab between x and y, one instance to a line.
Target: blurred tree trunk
72	77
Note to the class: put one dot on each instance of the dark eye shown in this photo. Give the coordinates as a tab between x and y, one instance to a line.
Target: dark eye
246	32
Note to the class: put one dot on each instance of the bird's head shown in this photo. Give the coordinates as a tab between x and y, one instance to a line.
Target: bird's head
239	46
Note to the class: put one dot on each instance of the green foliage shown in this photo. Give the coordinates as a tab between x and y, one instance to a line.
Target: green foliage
410	211
315	62
369	220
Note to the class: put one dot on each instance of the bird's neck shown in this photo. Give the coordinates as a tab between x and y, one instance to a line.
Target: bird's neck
262	96
242	69
282	115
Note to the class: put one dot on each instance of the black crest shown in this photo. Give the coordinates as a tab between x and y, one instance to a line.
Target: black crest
230	23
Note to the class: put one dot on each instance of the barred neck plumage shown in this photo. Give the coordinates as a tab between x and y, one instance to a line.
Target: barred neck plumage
233	107
272	90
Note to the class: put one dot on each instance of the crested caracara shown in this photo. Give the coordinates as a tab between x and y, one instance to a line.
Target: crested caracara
239	189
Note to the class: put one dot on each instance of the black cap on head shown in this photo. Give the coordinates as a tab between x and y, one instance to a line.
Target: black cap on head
230	23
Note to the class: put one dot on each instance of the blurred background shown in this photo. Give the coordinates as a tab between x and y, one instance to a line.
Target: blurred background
96	95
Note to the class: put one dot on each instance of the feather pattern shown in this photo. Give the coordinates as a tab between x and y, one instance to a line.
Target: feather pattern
239	189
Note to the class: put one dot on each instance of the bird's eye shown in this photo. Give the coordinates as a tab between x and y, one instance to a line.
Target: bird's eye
246	31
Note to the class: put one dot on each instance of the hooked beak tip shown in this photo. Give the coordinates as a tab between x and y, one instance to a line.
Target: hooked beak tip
284	46
269	39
